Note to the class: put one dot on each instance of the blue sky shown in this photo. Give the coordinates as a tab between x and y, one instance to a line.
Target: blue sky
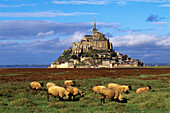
37	31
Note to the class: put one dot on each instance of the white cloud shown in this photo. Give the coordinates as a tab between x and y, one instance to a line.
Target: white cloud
105	2
76	37
46	33
132	40
29	29
154	1
20	5
165	41
42	14
92	2
164	5
160	23
149	54
140	40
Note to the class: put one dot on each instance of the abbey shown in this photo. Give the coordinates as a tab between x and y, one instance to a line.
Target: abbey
95	41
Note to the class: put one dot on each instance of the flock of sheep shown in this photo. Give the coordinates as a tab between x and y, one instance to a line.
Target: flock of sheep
112	92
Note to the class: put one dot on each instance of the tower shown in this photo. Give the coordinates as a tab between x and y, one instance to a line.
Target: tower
94	28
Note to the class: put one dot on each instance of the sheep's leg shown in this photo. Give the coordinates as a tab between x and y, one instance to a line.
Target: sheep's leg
60	98
47	96
74	98
55	98
36	88
103	99
69	98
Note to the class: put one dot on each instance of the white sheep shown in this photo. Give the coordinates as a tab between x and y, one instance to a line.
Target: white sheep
69	83
96	89
49	84
110	94
144	89
57	91
35	85
120	88
74	91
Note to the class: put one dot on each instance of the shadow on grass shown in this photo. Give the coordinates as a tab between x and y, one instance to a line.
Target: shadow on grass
124	100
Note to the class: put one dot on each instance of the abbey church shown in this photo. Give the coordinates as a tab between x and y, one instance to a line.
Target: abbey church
96	41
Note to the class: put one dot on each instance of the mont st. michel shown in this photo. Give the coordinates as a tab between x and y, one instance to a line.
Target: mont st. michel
94	51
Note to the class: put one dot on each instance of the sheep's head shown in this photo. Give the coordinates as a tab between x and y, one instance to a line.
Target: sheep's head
149	87
82	94
130	87
42	84
73	83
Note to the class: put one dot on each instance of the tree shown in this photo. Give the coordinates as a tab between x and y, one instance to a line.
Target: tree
74	56
90	48
113	55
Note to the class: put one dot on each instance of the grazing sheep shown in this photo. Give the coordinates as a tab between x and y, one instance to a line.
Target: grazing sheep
35	85
144	89
96	89
69	83
74	91
120	88
49	84
110	94
57	91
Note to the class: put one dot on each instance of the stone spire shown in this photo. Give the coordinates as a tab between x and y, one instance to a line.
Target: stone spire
94	29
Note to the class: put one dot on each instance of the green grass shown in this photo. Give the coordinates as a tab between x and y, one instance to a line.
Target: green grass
17	97
113	71
60	73
154	75
9	74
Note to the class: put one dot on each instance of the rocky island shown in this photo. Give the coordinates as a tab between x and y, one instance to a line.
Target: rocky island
93	51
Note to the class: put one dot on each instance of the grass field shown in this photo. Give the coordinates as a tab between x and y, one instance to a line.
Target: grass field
17	97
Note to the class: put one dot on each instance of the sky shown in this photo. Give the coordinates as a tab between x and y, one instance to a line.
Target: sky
37	31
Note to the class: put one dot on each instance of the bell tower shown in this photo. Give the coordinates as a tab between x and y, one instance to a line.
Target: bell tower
94	28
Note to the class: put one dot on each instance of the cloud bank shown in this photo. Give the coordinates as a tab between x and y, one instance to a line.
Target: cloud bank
140	40
22	30
42	14
92	2
44	41
20	5
104	2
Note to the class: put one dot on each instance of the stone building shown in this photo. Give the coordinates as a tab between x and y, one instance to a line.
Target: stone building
96	41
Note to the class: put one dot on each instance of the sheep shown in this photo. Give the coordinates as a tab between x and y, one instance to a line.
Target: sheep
69	83
35	85
144	89
110	94
120	88
74	91
58	91
96	89
49	84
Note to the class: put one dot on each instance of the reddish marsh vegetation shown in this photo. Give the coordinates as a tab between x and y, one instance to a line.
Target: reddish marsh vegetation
42	74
